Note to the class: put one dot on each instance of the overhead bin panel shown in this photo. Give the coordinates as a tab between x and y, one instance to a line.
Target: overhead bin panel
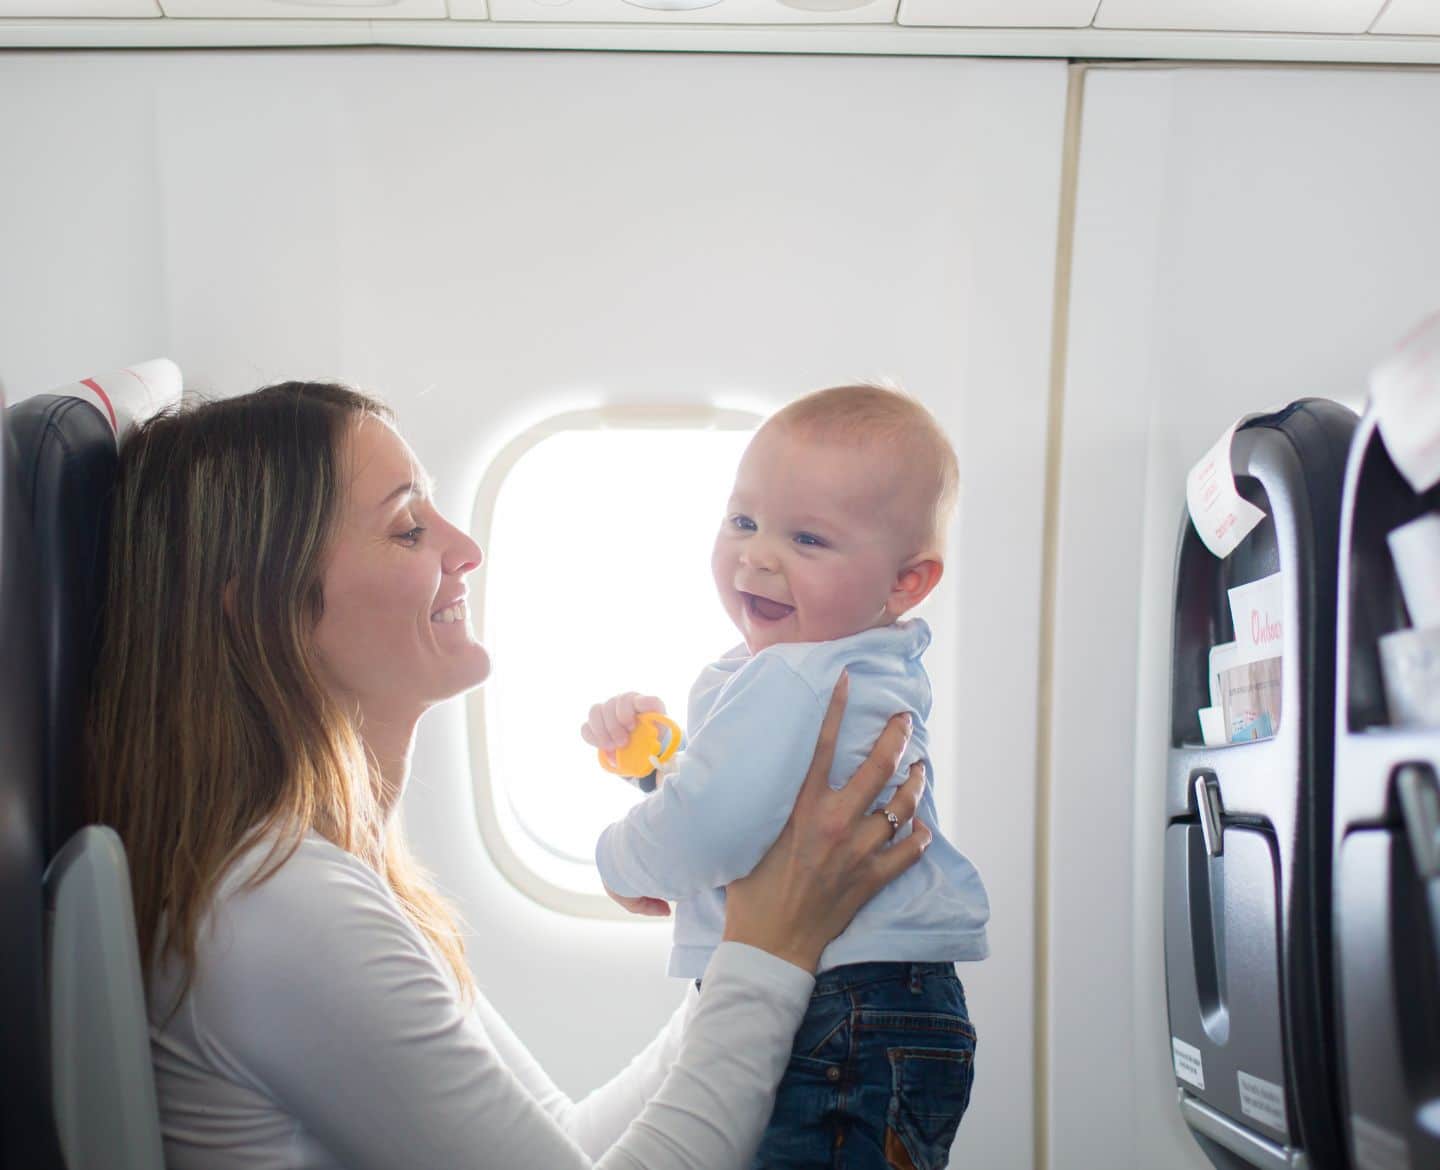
81	8
1409	18
694	11
308	9
1313	16
999	13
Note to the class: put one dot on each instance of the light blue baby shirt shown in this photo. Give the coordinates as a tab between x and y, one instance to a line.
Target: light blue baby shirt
752	725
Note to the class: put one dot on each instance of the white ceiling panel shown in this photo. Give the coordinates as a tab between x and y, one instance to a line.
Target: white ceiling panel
309	9
999	13
1409	17
1318	16
720	12
79	8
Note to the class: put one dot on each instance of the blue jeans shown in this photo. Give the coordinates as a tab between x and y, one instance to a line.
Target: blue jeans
880	1073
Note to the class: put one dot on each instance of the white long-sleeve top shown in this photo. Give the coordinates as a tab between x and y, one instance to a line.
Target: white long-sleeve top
322	1031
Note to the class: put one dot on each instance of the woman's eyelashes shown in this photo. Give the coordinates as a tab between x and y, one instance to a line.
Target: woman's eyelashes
411	537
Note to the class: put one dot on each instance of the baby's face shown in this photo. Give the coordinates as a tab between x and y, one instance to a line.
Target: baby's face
813	540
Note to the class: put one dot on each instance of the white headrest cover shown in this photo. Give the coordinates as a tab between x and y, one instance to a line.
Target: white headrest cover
129	396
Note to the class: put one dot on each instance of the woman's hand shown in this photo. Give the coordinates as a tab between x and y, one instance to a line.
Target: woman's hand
831	857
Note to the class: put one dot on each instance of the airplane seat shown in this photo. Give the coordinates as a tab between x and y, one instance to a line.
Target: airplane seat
27	1133
104	1086
1386	840
65	447
60	463
1248	811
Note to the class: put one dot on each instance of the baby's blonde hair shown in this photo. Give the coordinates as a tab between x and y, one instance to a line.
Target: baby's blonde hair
866	413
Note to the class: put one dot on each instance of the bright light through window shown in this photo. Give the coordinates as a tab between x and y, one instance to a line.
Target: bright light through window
597	581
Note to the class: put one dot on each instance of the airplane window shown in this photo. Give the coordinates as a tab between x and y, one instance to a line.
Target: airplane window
597	580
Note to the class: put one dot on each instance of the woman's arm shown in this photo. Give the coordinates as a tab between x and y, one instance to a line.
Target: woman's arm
712	1108
319	993
597	1120
712	1099
315	990
327	1000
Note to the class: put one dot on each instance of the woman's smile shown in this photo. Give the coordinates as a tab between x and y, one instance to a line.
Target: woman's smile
456	613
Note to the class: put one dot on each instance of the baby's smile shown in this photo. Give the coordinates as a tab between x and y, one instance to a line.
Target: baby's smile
765	610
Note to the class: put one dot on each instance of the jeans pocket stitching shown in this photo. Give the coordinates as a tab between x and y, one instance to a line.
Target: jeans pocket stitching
880	1019
824	1040
926	1153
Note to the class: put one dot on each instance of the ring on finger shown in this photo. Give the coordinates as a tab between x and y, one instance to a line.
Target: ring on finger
894	821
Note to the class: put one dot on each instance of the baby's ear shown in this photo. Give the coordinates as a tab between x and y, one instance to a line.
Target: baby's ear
913	584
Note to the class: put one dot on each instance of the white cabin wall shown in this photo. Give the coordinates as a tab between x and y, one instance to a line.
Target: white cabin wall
1243	238
81	283
488	239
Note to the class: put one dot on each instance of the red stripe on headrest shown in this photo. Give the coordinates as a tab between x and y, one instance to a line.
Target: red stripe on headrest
105	399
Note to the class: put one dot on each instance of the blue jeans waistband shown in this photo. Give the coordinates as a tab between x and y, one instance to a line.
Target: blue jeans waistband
853	975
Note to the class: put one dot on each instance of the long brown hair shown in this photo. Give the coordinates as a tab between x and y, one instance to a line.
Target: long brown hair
210	728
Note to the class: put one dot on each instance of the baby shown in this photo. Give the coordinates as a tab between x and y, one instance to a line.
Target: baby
834	531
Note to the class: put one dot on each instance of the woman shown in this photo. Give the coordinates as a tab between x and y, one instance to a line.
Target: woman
284	603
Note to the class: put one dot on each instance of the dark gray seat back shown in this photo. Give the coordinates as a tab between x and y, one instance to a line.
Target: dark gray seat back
27	1135
58	458
1386	843
1247	845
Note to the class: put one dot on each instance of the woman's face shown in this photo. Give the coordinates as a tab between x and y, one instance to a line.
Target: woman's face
395	633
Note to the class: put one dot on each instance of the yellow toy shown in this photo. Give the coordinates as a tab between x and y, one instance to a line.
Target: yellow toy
655	739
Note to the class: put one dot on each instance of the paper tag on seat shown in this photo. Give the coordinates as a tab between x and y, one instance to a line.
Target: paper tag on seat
1221	516
1405	395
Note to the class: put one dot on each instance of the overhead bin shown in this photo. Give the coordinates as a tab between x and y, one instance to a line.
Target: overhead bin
999	13
695	11
1409	18
109	9
1310	16
1248	785
1387	819
308	9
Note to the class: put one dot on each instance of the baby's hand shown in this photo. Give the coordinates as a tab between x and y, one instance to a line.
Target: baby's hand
612	721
